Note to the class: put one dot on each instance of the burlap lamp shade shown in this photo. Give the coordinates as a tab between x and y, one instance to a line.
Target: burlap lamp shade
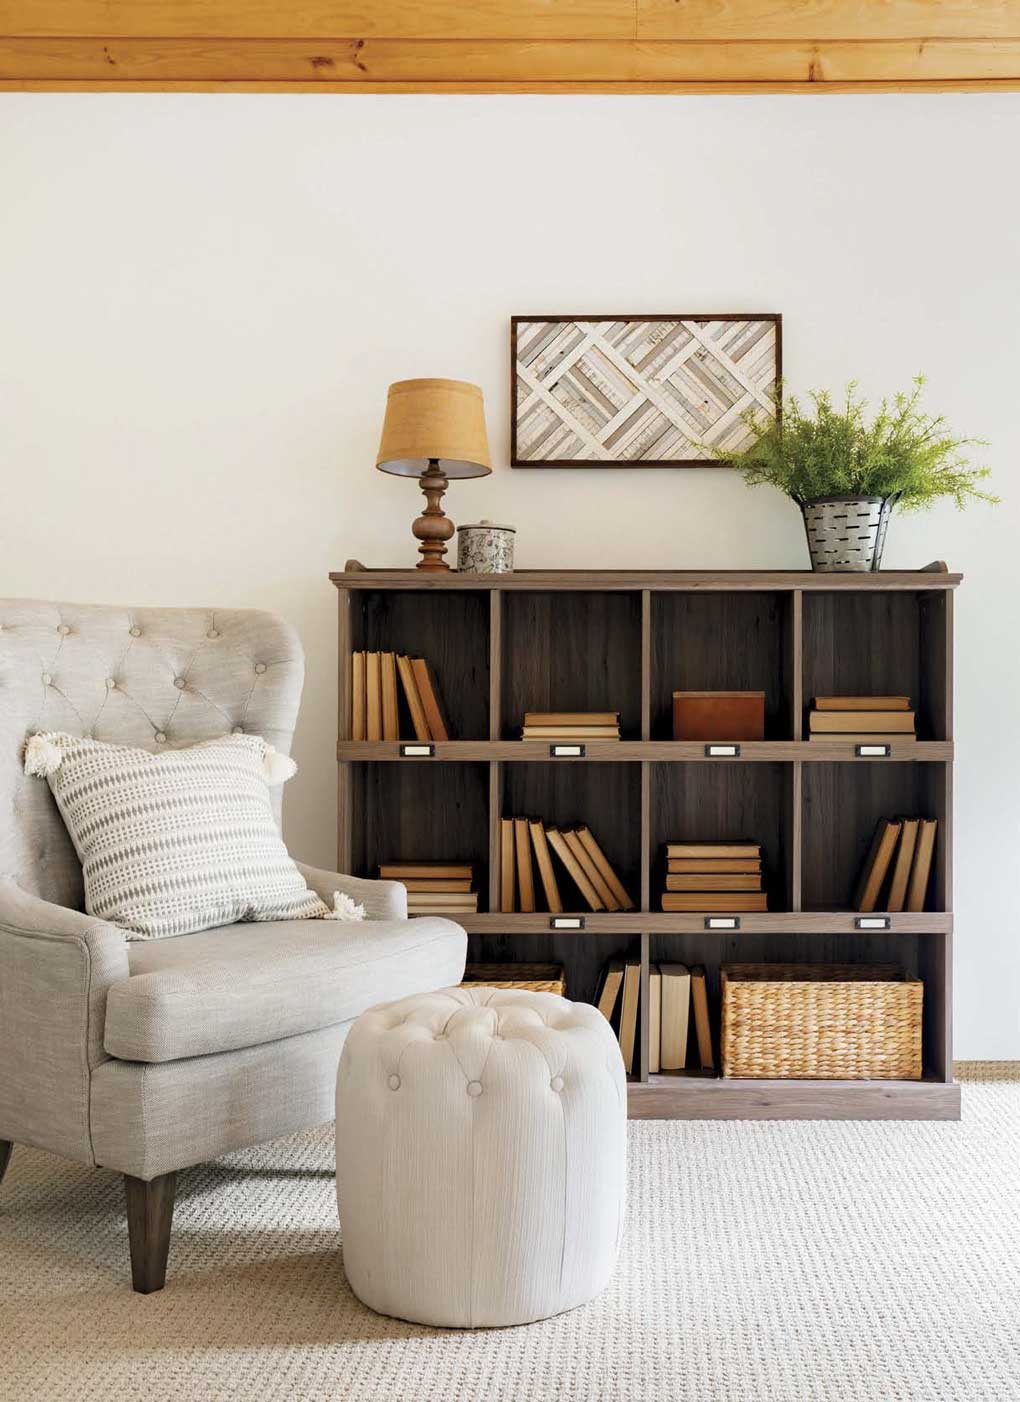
434	430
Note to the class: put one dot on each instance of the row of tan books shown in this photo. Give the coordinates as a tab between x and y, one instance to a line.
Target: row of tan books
897	869
522	839
867	718
375	703
571	725
434	886
713	876
674	991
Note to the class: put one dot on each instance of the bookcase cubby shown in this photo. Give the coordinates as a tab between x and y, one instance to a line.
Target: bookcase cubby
891	643
723	642
702	802
451	630
842	803
571	651
565	795
394	800
501	645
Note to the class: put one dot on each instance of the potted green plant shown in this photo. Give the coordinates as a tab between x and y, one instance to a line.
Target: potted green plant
846	474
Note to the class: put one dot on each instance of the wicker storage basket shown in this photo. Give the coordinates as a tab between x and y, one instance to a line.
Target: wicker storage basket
539	978
837	1022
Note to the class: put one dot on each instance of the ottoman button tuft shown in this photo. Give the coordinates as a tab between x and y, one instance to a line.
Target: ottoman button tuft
394	1083
474	1088
557	1083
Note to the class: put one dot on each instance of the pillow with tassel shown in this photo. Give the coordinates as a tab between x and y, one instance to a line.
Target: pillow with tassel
178	841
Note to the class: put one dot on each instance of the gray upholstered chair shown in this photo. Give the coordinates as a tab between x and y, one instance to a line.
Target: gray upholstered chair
146	1057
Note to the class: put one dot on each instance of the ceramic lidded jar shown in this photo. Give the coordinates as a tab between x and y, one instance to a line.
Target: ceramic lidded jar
485	548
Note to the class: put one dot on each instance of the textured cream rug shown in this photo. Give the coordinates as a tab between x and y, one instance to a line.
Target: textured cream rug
763	1262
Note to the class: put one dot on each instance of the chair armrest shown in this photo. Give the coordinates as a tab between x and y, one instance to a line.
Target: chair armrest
383	900
56	967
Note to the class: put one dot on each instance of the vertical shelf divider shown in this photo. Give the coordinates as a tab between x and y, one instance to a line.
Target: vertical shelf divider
646	664
643	1008
646	829
795	861
495	731
495	664
797	664
796	858
646	835
495	812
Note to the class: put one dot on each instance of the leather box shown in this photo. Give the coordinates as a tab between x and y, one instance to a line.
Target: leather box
718	715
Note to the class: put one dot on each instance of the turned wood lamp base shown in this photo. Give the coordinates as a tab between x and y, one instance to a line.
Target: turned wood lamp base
434	430
433	527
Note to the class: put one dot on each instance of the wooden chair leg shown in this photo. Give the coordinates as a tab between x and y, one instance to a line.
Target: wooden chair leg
5	1156
150	1212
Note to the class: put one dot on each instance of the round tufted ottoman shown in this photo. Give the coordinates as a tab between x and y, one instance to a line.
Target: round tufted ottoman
480	1155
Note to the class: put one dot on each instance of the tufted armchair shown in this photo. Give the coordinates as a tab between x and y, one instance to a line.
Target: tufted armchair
147	1057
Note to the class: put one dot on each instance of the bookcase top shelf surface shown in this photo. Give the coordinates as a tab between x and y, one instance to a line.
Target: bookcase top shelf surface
935	576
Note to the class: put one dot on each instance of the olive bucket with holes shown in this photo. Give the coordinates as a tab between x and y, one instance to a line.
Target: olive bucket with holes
846	534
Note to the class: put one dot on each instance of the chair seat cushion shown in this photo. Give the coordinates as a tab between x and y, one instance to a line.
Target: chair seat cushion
241	985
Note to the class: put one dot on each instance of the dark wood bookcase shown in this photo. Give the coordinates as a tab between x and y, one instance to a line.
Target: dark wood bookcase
625	640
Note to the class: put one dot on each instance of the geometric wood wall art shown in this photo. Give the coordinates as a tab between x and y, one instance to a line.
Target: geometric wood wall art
646	391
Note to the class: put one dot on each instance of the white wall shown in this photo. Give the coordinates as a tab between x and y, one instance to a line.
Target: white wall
204	298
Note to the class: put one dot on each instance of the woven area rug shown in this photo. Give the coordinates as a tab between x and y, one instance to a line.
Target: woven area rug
763	1262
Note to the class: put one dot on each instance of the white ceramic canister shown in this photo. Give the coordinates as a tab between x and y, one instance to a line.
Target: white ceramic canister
485	548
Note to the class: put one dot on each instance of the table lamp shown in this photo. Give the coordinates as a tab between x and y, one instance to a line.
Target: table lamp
434	430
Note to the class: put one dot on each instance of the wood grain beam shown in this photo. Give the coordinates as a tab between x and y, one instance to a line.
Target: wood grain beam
320	19
828	19
479	89
510	45
369	62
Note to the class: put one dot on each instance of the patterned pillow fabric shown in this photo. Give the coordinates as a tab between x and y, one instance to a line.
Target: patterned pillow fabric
179	841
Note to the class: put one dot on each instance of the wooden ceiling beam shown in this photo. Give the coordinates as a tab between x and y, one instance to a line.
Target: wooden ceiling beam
510	45
365	63
828	19
323	19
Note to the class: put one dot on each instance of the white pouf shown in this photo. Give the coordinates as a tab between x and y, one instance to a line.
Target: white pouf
481	1156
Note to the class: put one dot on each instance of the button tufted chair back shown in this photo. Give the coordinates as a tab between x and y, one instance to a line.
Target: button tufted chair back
155	678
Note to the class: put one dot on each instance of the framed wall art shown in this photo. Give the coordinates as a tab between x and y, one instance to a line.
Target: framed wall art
639	391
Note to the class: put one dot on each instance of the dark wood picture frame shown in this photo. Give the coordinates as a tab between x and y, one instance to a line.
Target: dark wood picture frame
701	317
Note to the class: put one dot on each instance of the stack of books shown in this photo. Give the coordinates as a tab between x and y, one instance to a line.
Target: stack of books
674	992
577	850
713	876
375	707
867	719
434	887
897	868
571	725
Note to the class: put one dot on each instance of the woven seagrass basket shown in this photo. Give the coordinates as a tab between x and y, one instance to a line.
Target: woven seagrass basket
831	1022
539	978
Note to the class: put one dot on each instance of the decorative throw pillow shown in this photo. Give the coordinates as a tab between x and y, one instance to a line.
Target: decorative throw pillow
179	841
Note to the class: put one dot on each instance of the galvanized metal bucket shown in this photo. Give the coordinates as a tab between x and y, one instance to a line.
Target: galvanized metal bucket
847	534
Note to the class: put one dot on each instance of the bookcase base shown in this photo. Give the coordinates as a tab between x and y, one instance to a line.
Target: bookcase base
679	1097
